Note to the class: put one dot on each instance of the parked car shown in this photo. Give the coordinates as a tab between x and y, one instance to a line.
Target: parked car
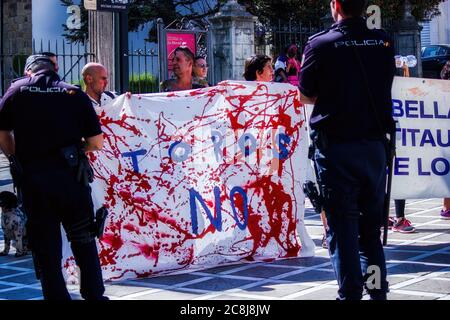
434	58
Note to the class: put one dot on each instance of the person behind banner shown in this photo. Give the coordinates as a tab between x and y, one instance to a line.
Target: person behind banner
95	77
183	62
258	68
54	123
347	73
200	72
445	212
292	65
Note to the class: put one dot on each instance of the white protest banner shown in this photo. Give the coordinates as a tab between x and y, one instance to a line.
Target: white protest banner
195	179
422	165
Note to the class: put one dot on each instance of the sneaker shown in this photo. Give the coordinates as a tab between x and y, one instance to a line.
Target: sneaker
324	241
403	226
445	214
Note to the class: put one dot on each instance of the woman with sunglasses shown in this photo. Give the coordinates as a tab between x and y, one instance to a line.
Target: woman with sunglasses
200	71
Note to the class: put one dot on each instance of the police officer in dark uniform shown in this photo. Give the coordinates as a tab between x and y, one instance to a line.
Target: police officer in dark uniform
347	73
53	124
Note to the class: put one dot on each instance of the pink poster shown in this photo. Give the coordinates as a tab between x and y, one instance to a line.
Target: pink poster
175	40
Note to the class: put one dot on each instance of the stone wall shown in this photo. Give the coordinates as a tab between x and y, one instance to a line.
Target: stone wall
233	41
17	37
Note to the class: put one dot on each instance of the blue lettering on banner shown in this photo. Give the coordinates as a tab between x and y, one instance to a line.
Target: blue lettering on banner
437	138
427	137
423	115
413	135
133	155
440	116
215	221
177	145
241	191
247	149
397	108
217	139
435	164
437	167
409	109
419	167
399	165
283	141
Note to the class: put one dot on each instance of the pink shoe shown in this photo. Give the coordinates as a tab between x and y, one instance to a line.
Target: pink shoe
403	226
445	214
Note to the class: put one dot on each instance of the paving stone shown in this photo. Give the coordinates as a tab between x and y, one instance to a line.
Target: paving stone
406	236
29	278
396	280
430	285
400	296
312	276
169	280
122	290
445	275
278	290
167	295
412	269
219	284
437	258
7	272
21	294
302	262
262	272
445	238
222	269
396	255
322	294
25	263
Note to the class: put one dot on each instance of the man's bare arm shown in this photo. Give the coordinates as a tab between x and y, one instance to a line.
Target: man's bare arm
94	143
7	144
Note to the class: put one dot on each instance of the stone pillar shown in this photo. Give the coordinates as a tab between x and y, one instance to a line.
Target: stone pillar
233	33
101	42
16	38
407	38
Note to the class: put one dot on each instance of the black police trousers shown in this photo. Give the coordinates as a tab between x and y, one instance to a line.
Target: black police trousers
52	197
353	179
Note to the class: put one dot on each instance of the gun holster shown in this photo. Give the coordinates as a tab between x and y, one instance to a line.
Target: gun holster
16	172
76	158
311	191
99	223
309	187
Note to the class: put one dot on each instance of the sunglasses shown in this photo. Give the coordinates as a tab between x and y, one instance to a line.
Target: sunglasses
204	66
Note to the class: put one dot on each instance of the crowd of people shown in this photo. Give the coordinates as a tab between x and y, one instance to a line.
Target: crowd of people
48	149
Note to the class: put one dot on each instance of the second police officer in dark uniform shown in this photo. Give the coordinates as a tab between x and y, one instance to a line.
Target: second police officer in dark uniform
347	73
49	119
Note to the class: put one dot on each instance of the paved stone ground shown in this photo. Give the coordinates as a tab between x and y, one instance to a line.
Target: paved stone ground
418	269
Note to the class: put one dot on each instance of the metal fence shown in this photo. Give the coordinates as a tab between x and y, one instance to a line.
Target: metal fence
71	59
273	39
143	63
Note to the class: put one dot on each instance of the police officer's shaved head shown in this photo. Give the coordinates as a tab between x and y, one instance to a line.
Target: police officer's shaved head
38	62
353	8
